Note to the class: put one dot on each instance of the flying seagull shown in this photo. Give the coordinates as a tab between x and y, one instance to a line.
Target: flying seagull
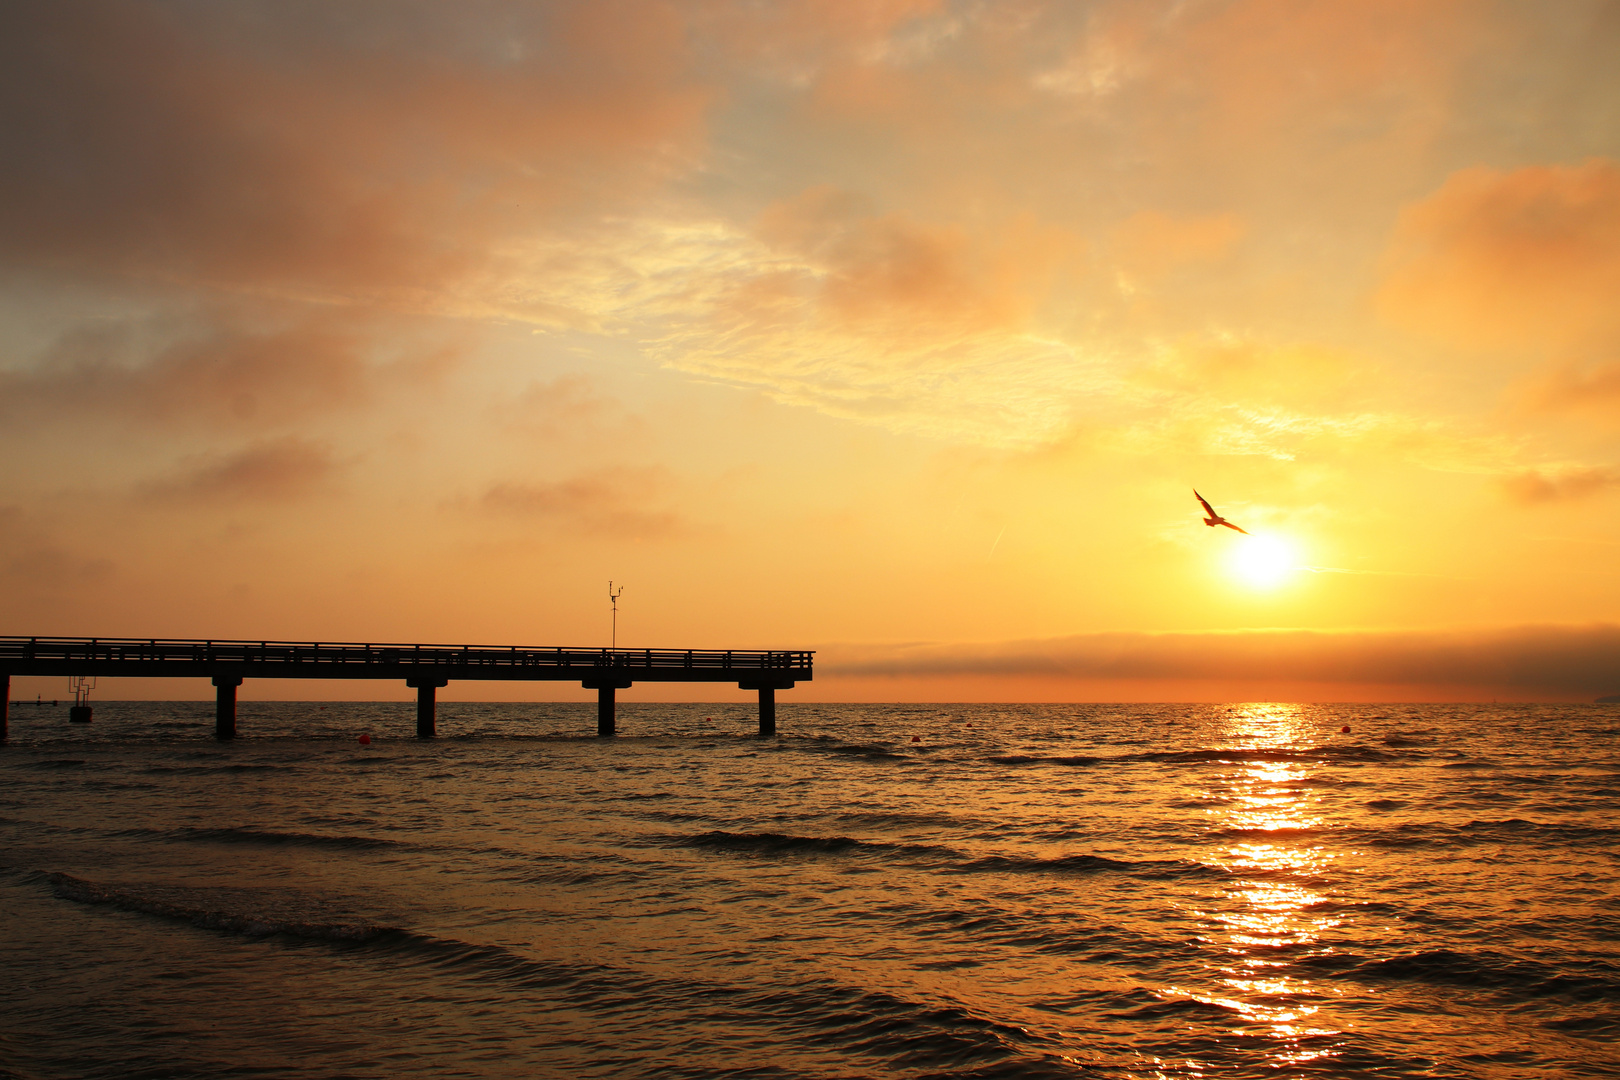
1215	519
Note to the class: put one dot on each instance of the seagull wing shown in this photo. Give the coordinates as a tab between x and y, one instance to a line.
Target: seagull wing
1229	525
1208	509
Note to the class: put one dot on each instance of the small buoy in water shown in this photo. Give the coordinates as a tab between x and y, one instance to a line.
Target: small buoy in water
1345	730
323	708
916	738
365	740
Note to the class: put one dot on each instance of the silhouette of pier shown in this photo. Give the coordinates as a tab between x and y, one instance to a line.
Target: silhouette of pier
424	668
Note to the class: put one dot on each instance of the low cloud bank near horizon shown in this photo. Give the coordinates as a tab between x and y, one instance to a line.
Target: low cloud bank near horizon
1582	660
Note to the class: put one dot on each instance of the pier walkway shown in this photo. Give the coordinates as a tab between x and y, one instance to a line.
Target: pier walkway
424	668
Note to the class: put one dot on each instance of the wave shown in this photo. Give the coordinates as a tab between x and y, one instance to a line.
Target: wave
1588	980
1089	864
265	837
773	843
1506	831
938	820
942	858
232	911
1271	754
856	1020
905	1033
1076	760
1279	755
866	751
232	767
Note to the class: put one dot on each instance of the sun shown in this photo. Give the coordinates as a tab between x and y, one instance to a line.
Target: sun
1263	562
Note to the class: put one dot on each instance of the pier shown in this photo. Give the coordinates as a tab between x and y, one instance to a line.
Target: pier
423	668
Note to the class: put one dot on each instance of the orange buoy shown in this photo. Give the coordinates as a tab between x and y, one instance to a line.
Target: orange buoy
365	740
1345	730
916	738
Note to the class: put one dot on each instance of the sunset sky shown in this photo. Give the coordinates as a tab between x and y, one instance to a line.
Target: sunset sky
898	330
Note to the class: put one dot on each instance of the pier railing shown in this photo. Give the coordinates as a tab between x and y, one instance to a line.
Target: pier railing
336	656
424	668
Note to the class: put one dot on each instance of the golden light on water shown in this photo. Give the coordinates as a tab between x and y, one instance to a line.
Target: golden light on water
1268	915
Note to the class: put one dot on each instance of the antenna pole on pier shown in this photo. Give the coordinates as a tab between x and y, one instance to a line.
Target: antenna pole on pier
613	642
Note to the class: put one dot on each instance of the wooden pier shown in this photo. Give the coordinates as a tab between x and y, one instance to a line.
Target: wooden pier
424	668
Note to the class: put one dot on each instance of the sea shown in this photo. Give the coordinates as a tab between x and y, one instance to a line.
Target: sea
1238	890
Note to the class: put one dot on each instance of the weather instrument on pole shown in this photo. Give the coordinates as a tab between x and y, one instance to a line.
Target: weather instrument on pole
613	597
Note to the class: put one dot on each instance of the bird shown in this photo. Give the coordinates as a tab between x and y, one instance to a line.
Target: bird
1215	519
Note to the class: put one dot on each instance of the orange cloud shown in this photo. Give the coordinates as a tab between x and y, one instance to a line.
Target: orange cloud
1527	257
1153	243
35	564
218	367
1564	484
890	268
273	471
1591	387
608	503
372	153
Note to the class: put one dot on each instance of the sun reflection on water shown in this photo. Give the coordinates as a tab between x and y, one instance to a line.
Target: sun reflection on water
1271	914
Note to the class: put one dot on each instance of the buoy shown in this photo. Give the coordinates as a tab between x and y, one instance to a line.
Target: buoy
365	740
916	738
323	708
1345	730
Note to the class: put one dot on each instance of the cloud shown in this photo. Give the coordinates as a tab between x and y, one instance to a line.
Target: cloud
567	406
1562	484
862	270
1509	258
608	503
930	327
277	470
1573	660
1592	388
213	367
1152	243
379	152
35	564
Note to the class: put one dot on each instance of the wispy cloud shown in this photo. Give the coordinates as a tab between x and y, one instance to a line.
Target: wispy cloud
275	470
622	503
1567	483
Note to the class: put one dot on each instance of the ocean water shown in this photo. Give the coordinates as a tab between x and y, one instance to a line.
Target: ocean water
880	891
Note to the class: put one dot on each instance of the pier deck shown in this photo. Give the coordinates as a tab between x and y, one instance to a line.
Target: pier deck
424	668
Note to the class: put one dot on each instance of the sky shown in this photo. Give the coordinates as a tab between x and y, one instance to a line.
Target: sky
896	329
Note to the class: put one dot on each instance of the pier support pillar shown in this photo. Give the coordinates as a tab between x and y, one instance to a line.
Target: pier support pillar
606	689
5	705
225	706
767	710
427	724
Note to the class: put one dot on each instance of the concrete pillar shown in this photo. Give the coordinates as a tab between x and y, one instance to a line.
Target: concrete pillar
225	706
427	724
767	710
5	705
605	720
